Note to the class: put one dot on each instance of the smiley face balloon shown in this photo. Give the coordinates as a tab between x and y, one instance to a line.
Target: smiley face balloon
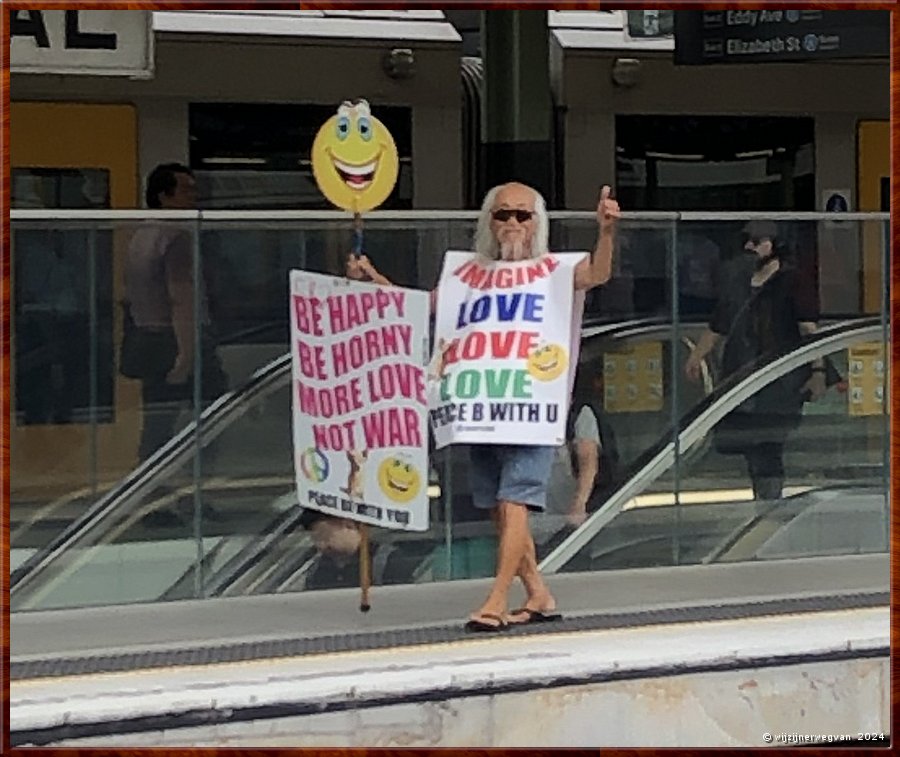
354	159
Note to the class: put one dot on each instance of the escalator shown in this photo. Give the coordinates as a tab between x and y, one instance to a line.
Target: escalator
241	556
865	496
273	555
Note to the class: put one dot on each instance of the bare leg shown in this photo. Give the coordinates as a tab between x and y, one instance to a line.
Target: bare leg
516	557
539	597
512	522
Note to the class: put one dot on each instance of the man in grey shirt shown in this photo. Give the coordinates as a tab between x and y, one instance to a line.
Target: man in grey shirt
159	294
567	493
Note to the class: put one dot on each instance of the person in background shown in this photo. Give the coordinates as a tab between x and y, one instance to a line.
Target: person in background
764	309
585	468
159	341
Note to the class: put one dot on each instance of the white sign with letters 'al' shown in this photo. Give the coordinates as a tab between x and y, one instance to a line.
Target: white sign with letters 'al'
506	346
104	43
360	410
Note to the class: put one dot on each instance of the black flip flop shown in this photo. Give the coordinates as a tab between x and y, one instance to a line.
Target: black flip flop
476	626
535	616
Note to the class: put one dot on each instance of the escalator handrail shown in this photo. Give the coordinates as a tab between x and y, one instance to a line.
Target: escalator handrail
700	420
213	420
250	552
249	555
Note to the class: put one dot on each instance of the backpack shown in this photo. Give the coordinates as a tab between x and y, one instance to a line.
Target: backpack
608	475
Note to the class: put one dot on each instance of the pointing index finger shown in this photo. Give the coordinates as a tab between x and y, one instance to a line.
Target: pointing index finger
604	193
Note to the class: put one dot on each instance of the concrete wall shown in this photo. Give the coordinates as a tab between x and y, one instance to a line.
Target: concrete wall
727	709
280	71
713	683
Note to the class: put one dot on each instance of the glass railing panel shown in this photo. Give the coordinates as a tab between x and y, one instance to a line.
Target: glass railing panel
256	256
832	498
229	513
134	555
619	379
623	393
62	372
641	281
759	306
79	423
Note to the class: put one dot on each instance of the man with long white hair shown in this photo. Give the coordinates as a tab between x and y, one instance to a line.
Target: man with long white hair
508	479
497	239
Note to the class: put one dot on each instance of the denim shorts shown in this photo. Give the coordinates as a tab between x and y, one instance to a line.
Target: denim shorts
509	472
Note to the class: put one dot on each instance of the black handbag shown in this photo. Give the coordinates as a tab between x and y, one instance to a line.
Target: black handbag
145	354
130	363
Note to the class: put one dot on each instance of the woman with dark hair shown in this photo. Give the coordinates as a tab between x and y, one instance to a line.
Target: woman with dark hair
764	309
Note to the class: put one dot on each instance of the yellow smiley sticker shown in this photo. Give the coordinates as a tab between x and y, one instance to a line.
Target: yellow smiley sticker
547	362
354	159
399	480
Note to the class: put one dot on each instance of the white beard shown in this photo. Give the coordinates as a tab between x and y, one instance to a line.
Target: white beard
515	250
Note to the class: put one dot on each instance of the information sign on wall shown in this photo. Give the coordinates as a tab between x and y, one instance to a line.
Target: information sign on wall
866	368
760	36
633	379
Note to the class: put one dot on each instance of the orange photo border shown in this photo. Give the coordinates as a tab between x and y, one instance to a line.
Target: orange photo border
357	4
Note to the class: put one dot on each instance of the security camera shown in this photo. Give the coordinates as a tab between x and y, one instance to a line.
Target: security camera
626	72
399	63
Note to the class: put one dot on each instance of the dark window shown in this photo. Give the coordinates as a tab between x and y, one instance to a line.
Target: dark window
708	163
744	163
257	155
54	319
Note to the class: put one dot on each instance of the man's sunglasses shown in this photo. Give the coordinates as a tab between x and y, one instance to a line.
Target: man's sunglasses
504	214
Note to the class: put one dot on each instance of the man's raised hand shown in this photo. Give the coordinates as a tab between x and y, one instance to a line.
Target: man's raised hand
607	210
